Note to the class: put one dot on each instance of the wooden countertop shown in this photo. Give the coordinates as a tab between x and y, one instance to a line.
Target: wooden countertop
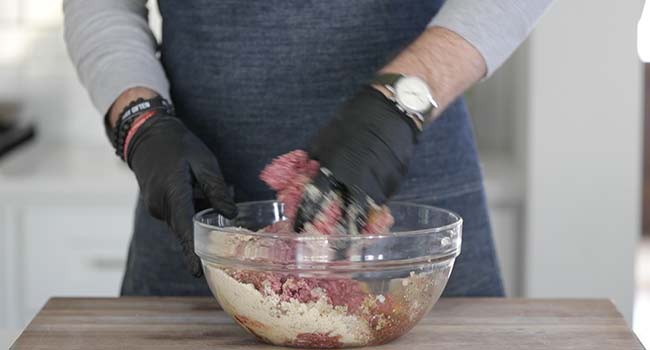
197	323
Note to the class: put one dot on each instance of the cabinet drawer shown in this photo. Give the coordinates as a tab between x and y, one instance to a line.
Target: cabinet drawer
72	251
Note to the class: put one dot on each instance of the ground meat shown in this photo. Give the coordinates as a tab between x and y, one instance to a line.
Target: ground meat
278	227
317	340
301	289
379	221
343	292
340	292
288	175
248	323
265	282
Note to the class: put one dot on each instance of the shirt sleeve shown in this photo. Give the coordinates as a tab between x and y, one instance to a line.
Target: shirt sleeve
494	27
113	49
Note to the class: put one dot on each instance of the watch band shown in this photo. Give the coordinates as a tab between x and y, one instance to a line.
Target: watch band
131	113
387	79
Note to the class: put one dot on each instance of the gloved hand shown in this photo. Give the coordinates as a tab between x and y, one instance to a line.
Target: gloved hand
169	162
364	152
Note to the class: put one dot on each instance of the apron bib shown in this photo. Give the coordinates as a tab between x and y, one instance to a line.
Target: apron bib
256	79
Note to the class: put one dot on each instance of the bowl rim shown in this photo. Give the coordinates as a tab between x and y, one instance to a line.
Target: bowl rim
457	222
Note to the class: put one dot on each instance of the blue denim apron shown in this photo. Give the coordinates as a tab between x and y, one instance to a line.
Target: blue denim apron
256	79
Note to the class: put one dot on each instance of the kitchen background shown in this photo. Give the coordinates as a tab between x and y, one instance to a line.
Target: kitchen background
559	127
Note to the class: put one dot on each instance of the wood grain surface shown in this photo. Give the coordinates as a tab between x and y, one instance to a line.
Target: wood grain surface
197	323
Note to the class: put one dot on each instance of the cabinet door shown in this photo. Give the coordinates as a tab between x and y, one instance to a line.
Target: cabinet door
72	251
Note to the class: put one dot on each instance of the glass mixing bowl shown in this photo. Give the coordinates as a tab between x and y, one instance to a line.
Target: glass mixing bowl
327	291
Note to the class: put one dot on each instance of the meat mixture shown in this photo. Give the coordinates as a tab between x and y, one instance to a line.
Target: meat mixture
289	175
291	310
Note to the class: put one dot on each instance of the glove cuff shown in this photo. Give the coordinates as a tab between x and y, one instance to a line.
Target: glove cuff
131	118
416	127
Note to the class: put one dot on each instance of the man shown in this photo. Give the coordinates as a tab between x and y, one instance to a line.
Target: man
370	88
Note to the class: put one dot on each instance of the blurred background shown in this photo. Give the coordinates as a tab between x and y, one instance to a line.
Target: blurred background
559	127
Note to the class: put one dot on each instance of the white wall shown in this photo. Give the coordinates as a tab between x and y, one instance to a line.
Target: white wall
584	152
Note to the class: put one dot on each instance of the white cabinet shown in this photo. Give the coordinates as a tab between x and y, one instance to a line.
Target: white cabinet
71	251
66	216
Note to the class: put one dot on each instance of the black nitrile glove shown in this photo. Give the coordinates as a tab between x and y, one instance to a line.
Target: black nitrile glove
169	162
364	152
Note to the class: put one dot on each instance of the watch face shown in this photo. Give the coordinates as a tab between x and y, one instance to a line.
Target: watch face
413	94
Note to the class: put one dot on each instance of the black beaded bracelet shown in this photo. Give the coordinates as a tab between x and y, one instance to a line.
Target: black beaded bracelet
130	113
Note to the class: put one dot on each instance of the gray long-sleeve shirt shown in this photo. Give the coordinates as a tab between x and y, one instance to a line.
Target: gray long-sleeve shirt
113	48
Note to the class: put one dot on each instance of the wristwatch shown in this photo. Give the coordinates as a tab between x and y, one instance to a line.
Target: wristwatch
410	94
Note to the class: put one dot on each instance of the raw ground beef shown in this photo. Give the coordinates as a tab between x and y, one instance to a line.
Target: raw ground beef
290	173
386	316
317	340
340	292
